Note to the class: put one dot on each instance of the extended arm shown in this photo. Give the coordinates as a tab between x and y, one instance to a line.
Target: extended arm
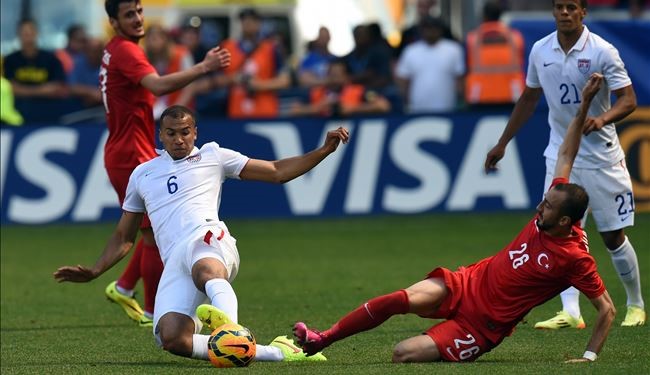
117	247
285	170
524	108
624	105
160	85
571	143
606	313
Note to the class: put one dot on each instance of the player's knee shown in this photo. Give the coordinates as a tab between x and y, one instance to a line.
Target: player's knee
176	343
403	353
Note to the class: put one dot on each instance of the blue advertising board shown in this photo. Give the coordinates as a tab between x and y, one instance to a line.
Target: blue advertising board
392	165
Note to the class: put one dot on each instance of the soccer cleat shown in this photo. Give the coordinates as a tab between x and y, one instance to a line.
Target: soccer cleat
635	316
145	321
293	353
211	316
129	304
310	340
562	320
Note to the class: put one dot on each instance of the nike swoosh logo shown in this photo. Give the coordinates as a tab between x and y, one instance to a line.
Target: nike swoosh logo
625	218
451	354
243	346
295	349
547	64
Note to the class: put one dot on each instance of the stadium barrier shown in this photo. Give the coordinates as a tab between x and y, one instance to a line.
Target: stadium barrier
393	165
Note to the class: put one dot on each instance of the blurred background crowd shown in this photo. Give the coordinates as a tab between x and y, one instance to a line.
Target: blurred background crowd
409	56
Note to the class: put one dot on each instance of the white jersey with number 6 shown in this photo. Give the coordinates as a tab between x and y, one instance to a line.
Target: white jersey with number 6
562	77
181	196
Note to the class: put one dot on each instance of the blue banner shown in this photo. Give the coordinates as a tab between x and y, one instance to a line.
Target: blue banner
394	165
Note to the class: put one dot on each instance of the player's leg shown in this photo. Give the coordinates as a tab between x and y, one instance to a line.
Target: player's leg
612	202
416	349
215	261
421	298
570	316
151	268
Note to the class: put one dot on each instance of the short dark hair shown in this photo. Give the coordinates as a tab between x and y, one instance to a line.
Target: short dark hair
178	112
491	11
575	202
26	21
249	12
112	6
73	29
583	3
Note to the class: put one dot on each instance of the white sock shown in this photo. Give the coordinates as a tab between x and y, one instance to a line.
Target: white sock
200	347
126	292
571	301
627	266
148	314
268	353
222	296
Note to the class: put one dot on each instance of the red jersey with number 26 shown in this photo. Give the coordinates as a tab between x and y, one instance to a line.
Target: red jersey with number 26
532	269
128	105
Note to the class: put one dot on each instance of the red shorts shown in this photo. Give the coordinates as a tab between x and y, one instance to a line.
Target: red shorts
119	178
461	337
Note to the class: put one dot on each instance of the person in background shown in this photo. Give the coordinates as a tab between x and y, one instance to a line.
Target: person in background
495	61
340	98
83	80
8	113
368	63
167	57
34	72
430	71
76	46
190	38
256	71
314	66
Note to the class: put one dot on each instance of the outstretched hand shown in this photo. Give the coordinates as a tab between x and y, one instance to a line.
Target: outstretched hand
493	157
588	92
75	274
216	58
334	137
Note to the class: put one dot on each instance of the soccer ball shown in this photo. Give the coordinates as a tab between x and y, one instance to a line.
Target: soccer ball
231	345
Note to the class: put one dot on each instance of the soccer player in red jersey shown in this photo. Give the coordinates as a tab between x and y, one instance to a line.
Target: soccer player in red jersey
128	84
482	303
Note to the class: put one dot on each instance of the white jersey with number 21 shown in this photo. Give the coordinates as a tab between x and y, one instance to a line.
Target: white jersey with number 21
562	77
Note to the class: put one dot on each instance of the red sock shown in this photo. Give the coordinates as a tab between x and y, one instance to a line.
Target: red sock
369	315
151	268
131	273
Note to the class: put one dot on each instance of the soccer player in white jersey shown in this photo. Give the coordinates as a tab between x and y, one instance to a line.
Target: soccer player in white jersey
559	66
180	190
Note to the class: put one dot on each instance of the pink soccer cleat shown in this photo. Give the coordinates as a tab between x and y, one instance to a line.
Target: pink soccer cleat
310	340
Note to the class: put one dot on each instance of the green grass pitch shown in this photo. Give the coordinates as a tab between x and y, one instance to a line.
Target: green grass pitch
313	270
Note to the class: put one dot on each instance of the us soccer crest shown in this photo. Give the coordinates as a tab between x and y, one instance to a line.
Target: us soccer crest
584	65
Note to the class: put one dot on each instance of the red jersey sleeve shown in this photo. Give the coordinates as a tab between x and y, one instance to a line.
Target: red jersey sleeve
133	62
586	279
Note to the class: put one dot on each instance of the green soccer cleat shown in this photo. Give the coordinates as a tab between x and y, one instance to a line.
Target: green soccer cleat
145	321
129	304
562	320
635	316
211	316
293	353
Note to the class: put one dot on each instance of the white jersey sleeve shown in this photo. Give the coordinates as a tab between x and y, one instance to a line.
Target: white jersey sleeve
404	68
532	79
233	162
614	68
133	202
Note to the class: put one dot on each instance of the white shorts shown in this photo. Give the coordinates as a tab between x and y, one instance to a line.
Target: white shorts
610	193
176	290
